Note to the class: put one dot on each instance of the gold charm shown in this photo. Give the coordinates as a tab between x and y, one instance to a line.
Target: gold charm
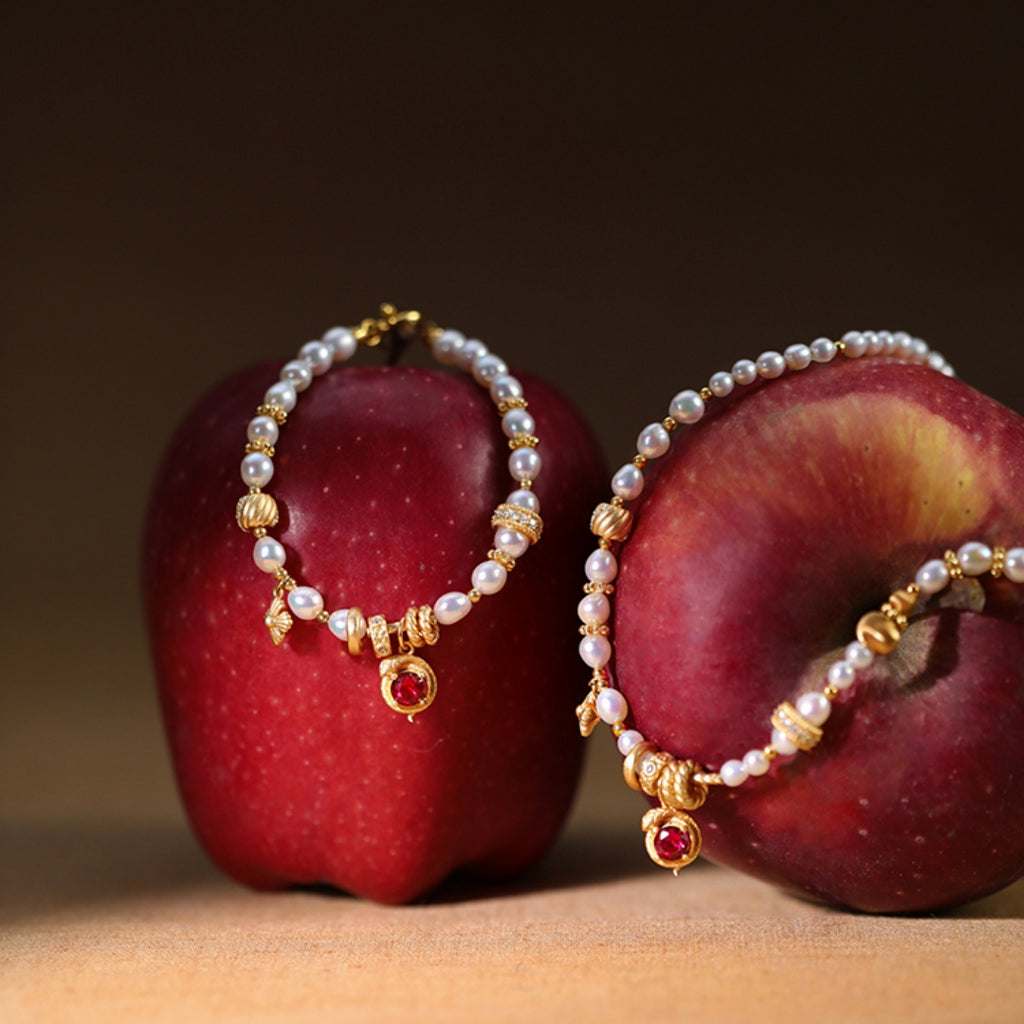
587	714
672	838
407	684
278	619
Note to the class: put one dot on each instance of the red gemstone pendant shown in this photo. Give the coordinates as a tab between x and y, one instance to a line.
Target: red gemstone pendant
407	684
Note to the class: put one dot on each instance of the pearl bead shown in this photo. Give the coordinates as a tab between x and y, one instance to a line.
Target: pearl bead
858	655
733	773
447	345
469	353
263	428
504	387
901	342
489	577
1013	565
305	602
855	343
486	368
653	441
452	607
782	743
601	566
524	498
756	762
875	344
257	469
686	407
628	740
594	609
524	464
721	384
823	350
511	542
298	373
932	577
975	558
342	342
771	365
268	554
815	707
517	421
919	350
282	394
595	650
319	355
936	361
338	623
798	357
841	675
611	706
744	372
628	482
887	341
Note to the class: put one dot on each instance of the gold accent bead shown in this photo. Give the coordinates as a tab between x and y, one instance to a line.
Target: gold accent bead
998	562
377	628
275	411
260	445
256	509
913	588
803	734
956	571
511	403
515	517
640	461
706	393
669	423
586	714
506	561
631	762
902	601
523	441
679	787
770	752
831	692
878	633
840	346
618	728
474	595
323	617
611	522
355	626
259	532
418	627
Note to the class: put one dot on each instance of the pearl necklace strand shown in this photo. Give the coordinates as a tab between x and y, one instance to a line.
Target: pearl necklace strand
672	837
408	683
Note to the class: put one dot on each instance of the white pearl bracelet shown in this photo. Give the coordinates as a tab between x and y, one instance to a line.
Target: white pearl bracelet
408	683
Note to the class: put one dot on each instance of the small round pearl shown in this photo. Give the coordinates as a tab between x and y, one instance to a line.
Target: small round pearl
268	554
263	428
524	498
1013	565
744	371
342	342
628	740
319	355
798	357
858	655
653	441
504	387
511	542
595	650
686	407
524	464
489	577
601	566
338	623
282	394
611	706
901	342
305	602
628	482
771	365
486	368
815	707
841	675
733	773
721	384
469	353
782	743
974	558
875	344
257	469
932	577
823	350
887	341
517	421
452	607
755	762
919	350
298	373
594	609
856	344
447	345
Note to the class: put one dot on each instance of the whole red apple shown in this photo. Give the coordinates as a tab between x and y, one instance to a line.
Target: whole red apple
771	526
291	766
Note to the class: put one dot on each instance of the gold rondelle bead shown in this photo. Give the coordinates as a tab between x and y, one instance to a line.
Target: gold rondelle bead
523	441
956	571
998	562
877	633
903	601
256	509
611	522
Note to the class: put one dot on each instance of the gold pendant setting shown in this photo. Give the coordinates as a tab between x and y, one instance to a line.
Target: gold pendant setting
407	684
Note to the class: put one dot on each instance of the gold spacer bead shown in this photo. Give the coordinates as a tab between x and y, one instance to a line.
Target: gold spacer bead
259	532
523	441
669	424
275	411
474	595
260	445
913	588
617	501
323	617
640	461
840	346
770	752
998	562
511	403
706	393
877	633
831	692
507	562
956	571
618	729
802	733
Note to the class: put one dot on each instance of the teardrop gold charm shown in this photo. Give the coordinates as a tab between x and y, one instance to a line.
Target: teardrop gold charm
278	619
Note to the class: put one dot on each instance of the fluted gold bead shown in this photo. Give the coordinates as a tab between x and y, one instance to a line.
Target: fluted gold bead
256	509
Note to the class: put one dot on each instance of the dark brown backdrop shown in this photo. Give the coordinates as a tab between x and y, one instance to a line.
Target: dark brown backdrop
623	203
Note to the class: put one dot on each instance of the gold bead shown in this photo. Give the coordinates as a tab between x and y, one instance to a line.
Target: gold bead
275	411
831	692
803	734
903	601
956	571
355	626
878	633
998	562
256	509
323	617
507	562
474	595
377	627
640	461
260	445
669	424
706	393
611	522
515	517
511	403
523	441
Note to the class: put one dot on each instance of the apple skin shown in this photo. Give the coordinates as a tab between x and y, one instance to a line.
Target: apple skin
763	536
292	768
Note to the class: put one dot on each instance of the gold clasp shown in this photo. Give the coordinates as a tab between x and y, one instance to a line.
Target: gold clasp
390	322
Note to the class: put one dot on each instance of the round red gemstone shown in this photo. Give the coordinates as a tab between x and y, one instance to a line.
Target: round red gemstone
672	843
409	689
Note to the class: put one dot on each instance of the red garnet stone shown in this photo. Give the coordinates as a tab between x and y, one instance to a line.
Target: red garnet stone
409	689
671	843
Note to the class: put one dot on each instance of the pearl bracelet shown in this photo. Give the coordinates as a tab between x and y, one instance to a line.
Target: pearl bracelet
673	839
408	683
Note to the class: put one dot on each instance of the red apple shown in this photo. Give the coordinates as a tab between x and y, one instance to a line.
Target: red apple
291	766
771	526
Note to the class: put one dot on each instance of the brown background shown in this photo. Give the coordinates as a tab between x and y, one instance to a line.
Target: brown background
623	203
